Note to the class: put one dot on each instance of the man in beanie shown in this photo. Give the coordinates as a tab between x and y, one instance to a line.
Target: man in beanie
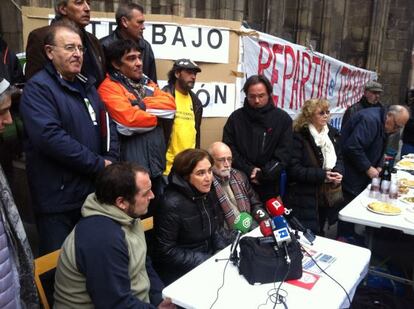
184	131
371	97
17	287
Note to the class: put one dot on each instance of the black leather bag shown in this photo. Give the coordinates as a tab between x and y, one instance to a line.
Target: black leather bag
261	263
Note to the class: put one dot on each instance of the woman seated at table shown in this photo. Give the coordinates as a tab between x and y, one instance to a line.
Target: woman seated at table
187	228
316	168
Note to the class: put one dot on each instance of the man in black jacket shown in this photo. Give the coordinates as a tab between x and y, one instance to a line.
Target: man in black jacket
259	136
371	97
130	25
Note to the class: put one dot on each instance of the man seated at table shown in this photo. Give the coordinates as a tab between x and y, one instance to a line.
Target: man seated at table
233	190
104	260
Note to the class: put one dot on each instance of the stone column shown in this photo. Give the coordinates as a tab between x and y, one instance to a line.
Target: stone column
304	20
379	22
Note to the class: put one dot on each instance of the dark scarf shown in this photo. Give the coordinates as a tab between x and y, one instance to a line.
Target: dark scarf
259	115
135	87
240	195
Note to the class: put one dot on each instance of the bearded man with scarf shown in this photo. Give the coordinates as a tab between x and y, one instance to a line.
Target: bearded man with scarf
259	136
316	160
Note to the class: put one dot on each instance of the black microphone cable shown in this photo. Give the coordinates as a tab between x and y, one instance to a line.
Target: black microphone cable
222	284
346	293
276	297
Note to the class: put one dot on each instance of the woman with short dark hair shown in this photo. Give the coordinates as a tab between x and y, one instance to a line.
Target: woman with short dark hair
187	231
316	167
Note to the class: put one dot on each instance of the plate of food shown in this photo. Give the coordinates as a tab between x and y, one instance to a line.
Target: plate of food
407	199
405	182
405	164
409	156
383	208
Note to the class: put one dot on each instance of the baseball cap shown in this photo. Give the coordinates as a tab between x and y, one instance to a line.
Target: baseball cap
186	64
374	86
4	85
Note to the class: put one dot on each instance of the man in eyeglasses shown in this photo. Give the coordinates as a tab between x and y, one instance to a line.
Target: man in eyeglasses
260	137
233	190
363	142
78	12
70	137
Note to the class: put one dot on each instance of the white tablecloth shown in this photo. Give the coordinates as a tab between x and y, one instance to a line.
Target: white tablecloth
198	288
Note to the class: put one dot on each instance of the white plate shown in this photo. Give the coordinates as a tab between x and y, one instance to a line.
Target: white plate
402	199
384	213
403	167
408	156
409	218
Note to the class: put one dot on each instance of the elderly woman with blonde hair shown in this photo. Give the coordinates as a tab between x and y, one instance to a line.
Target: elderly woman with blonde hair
316	169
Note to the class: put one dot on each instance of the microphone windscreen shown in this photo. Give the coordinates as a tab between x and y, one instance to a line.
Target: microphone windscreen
266	228
243	222
275	207
280	222
260	215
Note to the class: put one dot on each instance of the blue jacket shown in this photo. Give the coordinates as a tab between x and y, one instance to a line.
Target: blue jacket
363	143
64	149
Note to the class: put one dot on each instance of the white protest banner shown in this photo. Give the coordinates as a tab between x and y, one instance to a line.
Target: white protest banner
298	74
199	43
172	41
217	98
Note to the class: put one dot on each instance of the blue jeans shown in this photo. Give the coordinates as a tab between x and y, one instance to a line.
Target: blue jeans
54	228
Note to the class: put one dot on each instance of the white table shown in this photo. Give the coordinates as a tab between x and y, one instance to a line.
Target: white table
198	288
357	212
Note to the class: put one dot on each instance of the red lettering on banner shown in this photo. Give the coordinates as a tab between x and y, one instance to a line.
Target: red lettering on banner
304	78
277	49
294	93
288	51
327	80
264	65
272	58
317	61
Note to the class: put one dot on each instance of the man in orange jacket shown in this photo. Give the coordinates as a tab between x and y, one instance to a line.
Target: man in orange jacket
137	106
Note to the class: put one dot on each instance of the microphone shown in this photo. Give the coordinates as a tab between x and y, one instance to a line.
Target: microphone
242	225
282	234
266	228
260	215
281	231
275	207
295	223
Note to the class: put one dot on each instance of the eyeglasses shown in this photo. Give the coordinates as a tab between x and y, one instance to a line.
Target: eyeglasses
322	113
71	48
222	160
260	96
397	126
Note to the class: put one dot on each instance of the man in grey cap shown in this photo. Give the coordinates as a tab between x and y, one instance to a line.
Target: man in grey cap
184	131
372	94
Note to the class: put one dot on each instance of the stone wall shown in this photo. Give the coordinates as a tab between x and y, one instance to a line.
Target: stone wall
373	34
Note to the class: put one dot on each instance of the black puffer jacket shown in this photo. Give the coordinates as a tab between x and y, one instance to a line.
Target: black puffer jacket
305	178
187	230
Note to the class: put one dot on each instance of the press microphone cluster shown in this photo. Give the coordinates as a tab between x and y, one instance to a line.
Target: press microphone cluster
242	225
276	208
